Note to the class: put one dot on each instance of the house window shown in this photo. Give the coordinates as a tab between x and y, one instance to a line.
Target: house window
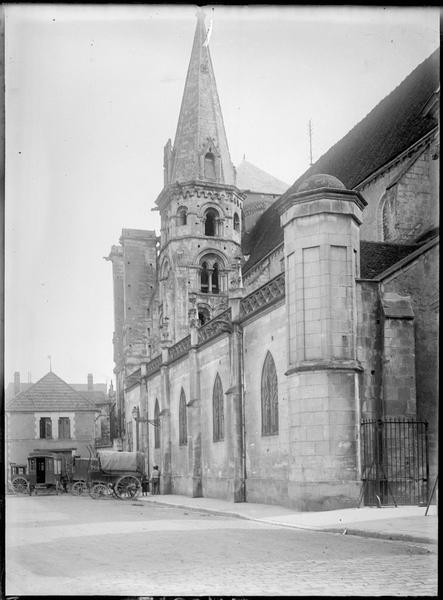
211	218
236	222
218	416
45	428
64	428
157	425
269	397
210	166
182	216
182	421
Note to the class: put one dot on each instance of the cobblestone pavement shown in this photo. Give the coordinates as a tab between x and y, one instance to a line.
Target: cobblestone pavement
77	546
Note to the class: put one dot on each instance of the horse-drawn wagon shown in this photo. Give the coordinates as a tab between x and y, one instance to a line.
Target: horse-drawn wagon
104	473
109	472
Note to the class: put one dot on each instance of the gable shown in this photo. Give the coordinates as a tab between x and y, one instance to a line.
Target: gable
50	393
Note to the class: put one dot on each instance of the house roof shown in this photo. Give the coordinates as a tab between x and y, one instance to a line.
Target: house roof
394	125
50	393
249	177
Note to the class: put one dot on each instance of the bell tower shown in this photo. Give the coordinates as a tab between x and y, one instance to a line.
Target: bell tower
200	207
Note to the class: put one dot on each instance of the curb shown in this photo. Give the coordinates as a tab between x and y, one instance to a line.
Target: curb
213	511
401	537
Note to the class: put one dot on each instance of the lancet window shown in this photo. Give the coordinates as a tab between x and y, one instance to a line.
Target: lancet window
210	282
269	397
157	425
182	216
182	420
211	222
218	415
236	222
209	166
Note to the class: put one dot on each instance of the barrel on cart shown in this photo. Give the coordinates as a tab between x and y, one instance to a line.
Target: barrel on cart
108	473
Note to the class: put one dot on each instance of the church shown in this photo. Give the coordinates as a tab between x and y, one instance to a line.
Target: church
275	343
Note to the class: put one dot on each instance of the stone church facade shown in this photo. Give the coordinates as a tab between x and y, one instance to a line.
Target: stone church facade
263	324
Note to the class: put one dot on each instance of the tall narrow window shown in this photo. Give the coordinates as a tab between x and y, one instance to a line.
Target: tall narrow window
269	397
64	428
204	278
45	428
210	166
215	279
182	421
236	222
218	415
211	217
182	216
157	425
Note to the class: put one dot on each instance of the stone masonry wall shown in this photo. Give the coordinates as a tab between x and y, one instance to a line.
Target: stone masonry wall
216	456
267	456
369	346
420	281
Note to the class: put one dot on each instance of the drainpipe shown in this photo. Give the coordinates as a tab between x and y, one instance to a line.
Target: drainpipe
241	387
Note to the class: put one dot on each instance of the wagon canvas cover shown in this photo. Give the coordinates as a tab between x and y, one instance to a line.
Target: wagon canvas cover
121	461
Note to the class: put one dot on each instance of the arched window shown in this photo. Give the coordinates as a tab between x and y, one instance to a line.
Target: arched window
211	217
204	278
210	166
269	397
203	315
236	222
215	279
157	425
182	215
218	415
182	421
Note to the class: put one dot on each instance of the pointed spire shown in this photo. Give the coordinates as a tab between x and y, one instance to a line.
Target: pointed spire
200	148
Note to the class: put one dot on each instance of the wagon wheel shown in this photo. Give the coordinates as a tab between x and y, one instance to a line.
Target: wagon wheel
127	487
20	485
78	488
99	490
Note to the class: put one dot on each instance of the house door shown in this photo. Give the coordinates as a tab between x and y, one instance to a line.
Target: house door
41	471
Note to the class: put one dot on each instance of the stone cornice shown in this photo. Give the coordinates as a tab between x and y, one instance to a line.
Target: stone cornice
200	189
308	197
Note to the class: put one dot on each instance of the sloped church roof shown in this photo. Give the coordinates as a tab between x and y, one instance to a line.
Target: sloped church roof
394	125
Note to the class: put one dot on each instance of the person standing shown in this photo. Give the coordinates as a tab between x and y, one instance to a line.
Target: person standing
155	480
145	485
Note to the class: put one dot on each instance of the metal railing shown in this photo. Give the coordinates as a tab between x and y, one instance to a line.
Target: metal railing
395	469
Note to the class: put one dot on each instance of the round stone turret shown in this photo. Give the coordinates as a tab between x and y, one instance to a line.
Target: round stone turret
320	180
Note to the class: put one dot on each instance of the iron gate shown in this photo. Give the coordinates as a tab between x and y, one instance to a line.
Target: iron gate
395	469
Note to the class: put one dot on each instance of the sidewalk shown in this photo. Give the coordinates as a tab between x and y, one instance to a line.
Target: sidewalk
406	523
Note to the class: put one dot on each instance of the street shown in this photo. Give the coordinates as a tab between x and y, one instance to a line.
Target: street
66	545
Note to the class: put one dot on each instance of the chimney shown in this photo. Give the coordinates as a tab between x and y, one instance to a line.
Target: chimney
16	383
90	382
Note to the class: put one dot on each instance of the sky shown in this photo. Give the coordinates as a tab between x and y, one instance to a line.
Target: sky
93	93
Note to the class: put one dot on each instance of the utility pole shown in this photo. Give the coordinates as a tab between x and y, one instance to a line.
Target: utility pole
310	143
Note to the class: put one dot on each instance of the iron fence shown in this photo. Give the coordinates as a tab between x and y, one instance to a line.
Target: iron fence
395	469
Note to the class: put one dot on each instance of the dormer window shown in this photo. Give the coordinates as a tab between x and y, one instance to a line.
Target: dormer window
182	216
209	166
211	219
